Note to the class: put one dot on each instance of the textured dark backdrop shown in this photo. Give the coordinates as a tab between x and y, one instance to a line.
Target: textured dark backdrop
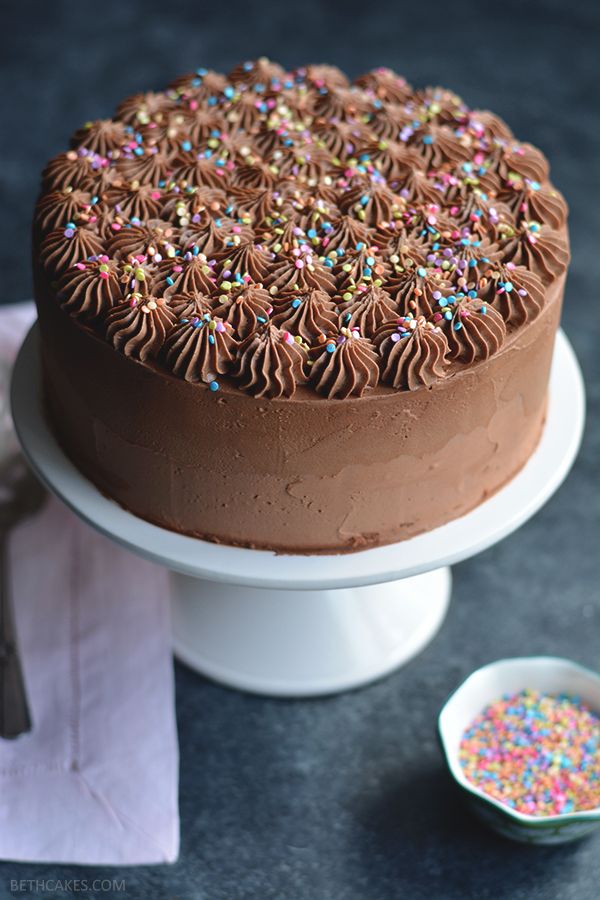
346	798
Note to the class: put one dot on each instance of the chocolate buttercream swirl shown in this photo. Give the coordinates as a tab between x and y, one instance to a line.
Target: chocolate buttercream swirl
191	304
209	235
244	112
304	164
299	271
417	186
439	104
360	268
339	104
413	352
282	235
204	123
385	84
259	204
103	136
135	200
75	169
472	257
59	207
199	169
89	289
514	291
139	326
323	76
252	176
154	239
64	247
393	160
311	315
536	247
199	85
270	364
371	203
523	160
245	260
485	123
402	252
418	290
139	110
345	233
137	275
346	367
440	144
200	348
152	166
391	122
246	311
474	329
185	273
340	138
529	200
262	72
367	311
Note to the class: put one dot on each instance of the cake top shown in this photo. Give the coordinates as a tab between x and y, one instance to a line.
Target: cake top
271	229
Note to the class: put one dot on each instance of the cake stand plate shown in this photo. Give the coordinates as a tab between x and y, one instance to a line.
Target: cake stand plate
287	625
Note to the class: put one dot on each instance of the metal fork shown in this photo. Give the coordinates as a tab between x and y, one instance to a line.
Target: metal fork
20	496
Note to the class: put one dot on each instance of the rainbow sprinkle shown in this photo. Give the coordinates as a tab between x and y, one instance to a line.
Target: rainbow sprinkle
537	753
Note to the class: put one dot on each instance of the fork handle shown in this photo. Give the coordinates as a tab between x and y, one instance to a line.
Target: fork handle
14	708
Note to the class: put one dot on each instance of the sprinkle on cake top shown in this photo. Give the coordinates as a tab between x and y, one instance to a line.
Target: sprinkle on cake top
306	224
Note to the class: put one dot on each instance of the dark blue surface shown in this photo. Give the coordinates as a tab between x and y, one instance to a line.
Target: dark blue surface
347	798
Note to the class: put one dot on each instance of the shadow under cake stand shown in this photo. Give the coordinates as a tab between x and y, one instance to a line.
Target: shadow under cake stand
286	625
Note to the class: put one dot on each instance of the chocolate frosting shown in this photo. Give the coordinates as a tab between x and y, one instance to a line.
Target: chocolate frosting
532	201
367	310
417	291
246	311
339	205
537	248
188	273
103	136
190	305
60	207
346	367
385	85
139	326
245	261
515	292
413	353
64	247
270	364
310	315
200	348
155	240
474	330
90	289
299	271
75	168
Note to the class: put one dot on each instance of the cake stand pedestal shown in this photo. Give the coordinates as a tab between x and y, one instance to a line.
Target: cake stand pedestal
307	625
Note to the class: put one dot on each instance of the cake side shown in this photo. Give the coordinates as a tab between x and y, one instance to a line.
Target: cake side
311	476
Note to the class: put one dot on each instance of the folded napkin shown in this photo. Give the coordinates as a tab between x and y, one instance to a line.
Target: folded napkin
96	779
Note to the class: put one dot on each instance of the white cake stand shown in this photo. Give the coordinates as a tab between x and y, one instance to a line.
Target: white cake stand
307	625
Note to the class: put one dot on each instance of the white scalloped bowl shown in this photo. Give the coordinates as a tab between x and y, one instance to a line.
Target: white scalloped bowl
551	675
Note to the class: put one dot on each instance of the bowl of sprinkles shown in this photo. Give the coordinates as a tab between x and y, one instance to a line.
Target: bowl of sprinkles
522	739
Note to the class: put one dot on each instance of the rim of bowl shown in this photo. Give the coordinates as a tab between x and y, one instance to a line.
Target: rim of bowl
591	815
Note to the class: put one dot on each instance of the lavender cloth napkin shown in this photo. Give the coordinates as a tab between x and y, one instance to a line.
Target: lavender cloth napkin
95	782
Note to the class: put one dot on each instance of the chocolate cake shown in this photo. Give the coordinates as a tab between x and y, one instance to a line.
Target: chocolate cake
283	310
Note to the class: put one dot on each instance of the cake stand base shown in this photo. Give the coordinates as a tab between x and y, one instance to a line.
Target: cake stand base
293	625
302	643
